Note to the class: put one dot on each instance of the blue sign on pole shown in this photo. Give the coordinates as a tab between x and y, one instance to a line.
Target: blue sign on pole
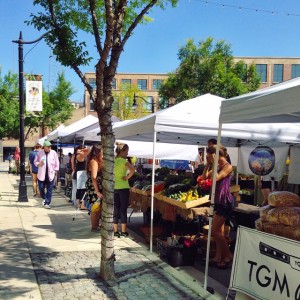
175	164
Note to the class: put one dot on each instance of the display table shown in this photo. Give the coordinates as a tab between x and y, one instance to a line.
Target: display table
246	214
169	208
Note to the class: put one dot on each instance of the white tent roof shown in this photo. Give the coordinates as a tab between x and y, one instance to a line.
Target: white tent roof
93	133
163	150
70	131
276	104
194	121
41	140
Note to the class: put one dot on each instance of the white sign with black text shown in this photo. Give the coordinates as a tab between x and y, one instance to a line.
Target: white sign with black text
266	266
34	91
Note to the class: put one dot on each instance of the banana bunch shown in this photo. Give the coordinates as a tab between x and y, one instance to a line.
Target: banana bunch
190	195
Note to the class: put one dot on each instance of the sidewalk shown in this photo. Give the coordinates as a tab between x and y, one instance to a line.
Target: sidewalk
44	254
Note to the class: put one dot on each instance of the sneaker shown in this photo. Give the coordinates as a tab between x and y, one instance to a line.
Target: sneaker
47	206
44	202
125	234
117	234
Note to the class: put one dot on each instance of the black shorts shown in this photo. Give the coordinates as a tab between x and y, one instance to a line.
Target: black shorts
266	184
223	210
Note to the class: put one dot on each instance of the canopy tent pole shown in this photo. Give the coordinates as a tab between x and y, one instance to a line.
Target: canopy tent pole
152	191
58	172
212	200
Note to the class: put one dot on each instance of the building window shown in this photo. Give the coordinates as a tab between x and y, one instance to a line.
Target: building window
262	72
92	83
114	84
157	84
148	105
142	84
126	82
295	71
278	73
92	105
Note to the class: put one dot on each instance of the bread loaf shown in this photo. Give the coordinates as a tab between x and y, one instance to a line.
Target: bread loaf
290	216
259	224
263	212
273	215
277	229
290	232
283	198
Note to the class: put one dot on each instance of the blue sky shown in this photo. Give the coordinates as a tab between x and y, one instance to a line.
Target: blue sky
153	48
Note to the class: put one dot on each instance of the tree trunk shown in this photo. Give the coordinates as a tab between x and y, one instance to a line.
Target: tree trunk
107	271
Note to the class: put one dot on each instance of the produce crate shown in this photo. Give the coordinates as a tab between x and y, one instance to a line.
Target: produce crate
163	248
135	201
141	192
177	255
185	205
157	231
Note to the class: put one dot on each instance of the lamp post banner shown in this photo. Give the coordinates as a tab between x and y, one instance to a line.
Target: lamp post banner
34	95
266	266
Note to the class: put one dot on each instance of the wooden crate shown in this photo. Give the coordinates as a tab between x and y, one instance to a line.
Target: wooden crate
141	192
157	232
185	205
234	189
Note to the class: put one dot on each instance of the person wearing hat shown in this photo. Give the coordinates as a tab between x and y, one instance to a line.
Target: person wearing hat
34	168
47	163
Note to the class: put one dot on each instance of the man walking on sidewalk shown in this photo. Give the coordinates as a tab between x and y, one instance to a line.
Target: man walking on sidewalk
47	163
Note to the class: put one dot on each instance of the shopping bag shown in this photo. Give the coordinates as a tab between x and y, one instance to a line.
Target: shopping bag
81	179
96	206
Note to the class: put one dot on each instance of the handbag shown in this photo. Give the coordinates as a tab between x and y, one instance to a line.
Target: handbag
81	179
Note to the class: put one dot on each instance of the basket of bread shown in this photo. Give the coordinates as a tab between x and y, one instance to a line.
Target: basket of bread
281	216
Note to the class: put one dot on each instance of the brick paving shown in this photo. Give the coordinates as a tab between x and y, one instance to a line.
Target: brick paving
74	275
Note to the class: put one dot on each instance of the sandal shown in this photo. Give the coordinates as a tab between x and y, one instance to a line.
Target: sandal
95	229
213	263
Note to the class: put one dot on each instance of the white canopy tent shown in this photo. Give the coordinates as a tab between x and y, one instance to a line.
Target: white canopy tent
194	121
279	103
144	149
276	104
41	140
70	131
93	129
163	151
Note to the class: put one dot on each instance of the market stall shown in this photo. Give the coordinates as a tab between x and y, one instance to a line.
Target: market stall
276	104
168	207
194	121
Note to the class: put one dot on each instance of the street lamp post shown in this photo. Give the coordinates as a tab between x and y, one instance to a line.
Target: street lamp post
22	186
135	104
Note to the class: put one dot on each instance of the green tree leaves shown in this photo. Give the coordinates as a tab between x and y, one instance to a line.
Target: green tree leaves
208	68
56	107
9	106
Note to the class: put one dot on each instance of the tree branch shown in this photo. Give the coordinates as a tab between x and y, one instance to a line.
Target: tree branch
95	26
136	21
61	41
108	33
